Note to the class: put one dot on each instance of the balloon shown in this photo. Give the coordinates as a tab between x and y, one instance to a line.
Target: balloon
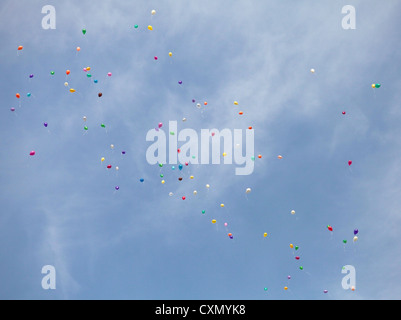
265	289
260	156
88	75
208	186
373	85
225	224
297	258
136	26
248	190
344	241
195	192
142	180
102	159
353	288
236	103
20	48
230	234
253	158
330	228
31	76
163	181
150	28
32	153
285	288
109	74
377	85
343	112
349	162
296	247
95	81
84	118
356	231
250	128
112	146
203	211
45	124
78	49
183	198
103	125
180	82
52	73
156	58
72	90
355	239
171	194
117	188
325	291
292	212
280	157
123	152
160	125
291	245
86	128
100	94
288	277
312	70
28	94
240	113
66	84
205	103
265	234
214	221
18	95
68	72
84	31
179	179
12	109
222	205
180	166
109	166
153	12
88	68
198	105
191	177
301	268
170	54
224	154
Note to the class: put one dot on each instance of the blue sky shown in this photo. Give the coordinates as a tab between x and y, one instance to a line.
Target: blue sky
60	207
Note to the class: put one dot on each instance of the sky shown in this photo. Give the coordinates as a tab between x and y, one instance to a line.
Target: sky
61	208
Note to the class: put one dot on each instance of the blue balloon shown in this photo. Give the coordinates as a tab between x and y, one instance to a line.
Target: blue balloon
142	180
180	167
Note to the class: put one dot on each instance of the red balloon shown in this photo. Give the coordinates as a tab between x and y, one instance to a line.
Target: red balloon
109	166
183	198
349	162
297	258
330	228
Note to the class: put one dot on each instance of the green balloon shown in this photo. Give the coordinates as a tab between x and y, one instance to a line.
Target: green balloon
136	26
265	289
160	165
345	241
203	211
296	247
162	175
253	158
377	85
89	75
52	73
84	31
103	125
86	128
301	268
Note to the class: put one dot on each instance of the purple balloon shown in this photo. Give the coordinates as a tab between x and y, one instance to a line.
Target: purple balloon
180	82
117	188
289	277
193	100
31	76
325	291
12	109
123	152
45	124
356	231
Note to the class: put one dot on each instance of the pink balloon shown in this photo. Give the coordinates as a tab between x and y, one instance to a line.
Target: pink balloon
109	74
225	224
349	162
160	125
32	153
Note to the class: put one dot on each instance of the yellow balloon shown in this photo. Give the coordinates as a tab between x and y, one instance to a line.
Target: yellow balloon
102	159
291	246
170	54
163	181
222	205
88	68
191	177
265	234
150	28
208	186
153	12
373	85
293	212
72	90
214	221
236	103
285	288
224	154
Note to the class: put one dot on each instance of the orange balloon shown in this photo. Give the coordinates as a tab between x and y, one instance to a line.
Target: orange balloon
260	156
68	72
78	49
18	95
250	128
205	103
230	234
20	48
241	113
280	157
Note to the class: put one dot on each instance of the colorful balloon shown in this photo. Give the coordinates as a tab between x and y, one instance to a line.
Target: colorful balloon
349	162
32	153
150	28
20	48
248	190
72	90
356	231
84	31
330	228
68	72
